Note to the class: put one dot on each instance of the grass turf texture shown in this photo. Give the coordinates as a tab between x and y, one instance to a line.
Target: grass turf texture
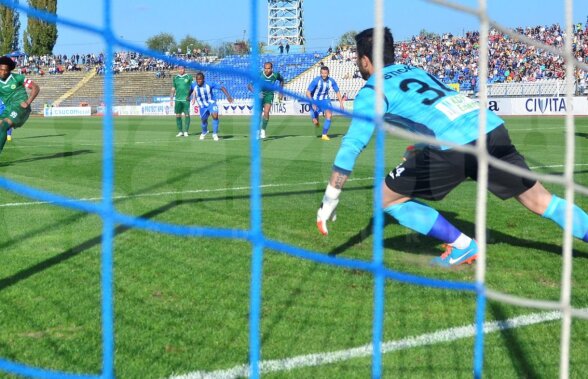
181	304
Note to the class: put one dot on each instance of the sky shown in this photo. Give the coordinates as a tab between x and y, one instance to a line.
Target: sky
218	21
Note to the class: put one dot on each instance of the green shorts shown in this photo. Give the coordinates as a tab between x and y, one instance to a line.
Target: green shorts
17	114
267	98
182	107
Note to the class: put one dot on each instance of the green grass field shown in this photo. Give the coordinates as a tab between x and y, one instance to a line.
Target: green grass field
182	304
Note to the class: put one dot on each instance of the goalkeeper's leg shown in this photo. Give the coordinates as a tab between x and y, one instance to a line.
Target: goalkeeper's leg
425	220
540	201
556	212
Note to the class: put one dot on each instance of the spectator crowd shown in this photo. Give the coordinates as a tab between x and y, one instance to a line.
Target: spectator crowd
455	59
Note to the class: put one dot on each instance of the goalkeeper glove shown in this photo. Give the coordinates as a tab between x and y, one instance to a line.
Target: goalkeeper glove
327	210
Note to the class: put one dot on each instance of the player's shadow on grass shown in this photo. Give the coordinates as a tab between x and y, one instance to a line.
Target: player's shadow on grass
579	134
518	354
577	172
417	244
72	252
279	136
92	242
43	136
45	157
336	135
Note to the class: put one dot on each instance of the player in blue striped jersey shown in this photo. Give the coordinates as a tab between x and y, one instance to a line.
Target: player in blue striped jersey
319	90
203	95
417	101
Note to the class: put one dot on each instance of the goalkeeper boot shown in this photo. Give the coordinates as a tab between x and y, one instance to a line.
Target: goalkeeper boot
9	138
454	256
325	137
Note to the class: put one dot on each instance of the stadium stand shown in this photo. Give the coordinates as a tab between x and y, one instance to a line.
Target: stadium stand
515	69
135	87
54	86
543	87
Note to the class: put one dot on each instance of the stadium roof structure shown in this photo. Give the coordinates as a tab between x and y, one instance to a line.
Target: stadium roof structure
285	22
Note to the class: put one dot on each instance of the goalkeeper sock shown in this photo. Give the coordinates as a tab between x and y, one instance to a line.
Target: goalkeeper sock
462	242
326	126
264	123
215	126
179	123
556	212
425	220
187	123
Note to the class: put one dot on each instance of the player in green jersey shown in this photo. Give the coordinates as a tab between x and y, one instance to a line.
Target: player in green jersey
180	92
13	92
267	95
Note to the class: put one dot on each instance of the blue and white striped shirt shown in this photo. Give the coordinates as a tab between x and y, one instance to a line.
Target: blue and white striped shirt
204	95
319	88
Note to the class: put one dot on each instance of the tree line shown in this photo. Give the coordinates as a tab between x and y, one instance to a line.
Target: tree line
39	37
166	43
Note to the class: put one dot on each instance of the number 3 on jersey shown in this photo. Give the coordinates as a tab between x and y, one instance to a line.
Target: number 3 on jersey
425	89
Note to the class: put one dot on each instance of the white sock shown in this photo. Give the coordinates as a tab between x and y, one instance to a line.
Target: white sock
461	242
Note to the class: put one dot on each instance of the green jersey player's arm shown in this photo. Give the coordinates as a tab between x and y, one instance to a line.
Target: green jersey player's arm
281	80
33	92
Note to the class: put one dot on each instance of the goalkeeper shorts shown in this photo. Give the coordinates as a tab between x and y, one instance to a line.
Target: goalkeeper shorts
432	173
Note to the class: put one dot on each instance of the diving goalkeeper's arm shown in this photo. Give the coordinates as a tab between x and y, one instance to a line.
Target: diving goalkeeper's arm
353	143
326	212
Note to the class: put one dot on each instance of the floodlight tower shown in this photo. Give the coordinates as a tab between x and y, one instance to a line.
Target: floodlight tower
285	24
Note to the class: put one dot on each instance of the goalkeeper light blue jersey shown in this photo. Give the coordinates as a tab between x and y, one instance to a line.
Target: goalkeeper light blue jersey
319	88
416	101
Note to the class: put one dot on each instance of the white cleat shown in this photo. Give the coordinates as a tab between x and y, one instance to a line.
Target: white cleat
203	135
262	134
215	136
179	134
185	134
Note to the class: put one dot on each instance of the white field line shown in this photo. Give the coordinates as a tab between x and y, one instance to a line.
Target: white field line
243	188
441	336
234	138
195	138
174	193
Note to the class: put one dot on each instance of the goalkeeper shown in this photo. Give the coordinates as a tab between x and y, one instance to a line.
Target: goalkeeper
13	92
419	102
